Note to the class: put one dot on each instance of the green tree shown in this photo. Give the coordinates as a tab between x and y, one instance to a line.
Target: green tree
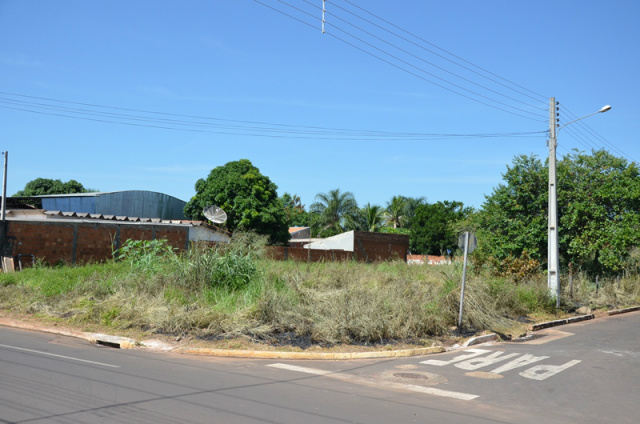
598	211
294	212
514	217
331	212
395	213
45	186
410	207
434	227
370	218
248	197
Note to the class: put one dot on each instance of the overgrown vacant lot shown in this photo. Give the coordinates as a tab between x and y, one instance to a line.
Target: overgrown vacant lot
234	293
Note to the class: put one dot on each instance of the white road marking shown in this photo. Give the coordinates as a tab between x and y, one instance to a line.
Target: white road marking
485	361
59	356
472	360
470	353
542	372
360	380
300	369
519	362
622	353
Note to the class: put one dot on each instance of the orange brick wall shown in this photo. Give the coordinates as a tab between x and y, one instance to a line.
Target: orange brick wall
301	254
374	247
369	247
94	243
82	242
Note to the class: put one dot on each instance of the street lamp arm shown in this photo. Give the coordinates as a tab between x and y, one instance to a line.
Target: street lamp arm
602	110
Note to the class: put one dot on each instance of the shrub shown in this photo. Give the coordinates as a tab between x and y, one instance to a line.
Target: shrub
145	255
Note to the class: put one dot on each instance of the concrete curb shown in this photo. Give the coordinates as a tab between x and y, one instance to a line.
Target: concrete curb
480	339
623	311
549	324
127	343
336	356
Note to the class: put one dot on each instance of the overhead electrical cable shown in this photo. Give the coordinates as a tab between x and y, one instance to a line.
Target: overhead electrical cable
171	114
442	69
572	133
538	118
430	63
592	134
435	83
540	96
155	119
434	53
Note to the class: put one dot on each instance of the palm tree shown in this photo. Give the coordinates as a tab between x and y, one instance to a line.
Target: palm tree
410	208
331	211
370	218
395	212
374	217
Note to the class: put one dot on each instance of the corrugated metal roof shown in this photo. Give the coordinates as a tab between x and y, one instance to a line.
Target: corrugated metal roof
83	215
120	203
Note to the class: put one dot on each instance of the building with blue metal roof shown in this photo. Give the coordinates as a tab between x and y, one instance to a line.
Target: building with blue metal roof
132	203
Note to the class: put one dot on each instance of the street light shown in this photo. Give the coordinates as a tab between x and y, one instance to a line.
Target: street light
553	276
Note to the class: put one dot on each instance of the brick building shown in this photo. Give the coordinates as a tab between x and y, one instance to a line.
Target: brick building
357	245
72	238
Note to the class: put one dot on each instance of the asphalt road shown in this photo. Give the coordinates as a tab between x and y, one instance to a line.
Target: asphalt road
580	373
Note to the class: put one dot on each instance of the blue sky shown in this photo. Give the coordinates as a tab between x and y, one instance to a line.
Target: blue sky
152	95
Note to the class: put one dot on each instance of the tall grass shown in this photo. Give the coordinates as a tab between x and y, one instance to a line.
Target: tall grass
232	290
586	291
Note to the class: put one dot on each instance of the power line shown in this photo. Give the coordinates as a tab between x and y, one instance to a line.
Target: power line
584	132
285	14
155	119
434	65
545	98
572	133
434	83
436	54
406	63
437	77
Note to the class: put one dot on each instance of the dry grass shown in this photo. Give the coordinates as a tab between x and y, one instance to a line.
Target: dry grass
293	304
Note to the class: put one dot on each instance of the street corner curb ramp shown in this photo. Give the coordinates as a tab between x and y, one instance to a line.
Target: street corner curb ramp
110	341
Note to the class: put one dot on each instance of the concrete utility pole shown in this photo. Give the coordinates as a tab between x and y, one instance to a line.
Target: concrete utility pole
4	187
553	276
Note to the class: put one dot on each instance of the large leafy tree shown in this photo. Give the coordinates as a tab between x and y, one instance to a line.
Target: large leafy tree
248	197
598	211
410	206
434	227
514	217
295	214
45	186
331	212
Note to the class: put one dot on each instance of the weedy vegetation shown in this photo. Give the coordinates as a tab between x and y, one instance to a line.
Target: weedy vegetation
234	291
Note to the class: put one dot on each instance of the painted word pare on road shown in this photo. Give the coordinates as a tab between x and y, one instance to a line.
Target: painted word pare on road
473	360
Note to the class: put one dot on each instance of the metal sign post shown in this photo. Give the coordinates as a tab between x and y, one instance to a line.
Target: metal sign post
468	243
